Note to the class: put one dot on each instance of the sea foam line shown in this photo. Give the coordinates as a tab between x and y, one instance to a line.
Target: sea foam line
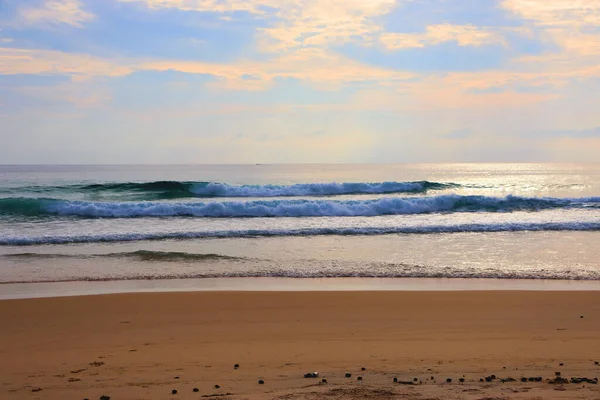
430	229
343	270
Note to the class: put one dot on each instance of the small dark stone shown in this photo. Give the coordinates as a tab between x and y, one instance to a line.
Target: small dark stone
581	316
493	376
363	369
561	364
348	375
261	382
449	380
531	379
557	373
108	397
176	377
432	378
323	380
538	378
174	391
503	367
395	380
596	362
36	389
461	380
488	379
236	366
558	380
359	378
217	387
480	379
415	379
195	390
523	379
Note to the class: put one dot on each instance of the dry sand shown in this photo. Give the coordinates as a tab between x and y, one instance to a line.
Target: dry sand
142	346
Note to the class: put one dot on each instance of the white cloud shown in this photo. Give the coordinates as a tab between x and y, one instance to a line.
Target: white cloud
558	13
463	35
297	23
49	62
55	12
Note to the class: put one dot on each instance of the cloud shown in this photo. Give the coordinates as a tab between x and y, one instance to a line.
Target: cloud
463	35
295	24
50	62
55	12
318	23
572	133
258	7
310	65
557	13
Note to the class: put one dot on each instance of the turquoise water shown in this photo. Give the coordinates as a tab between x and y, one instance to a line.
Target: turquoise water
105	223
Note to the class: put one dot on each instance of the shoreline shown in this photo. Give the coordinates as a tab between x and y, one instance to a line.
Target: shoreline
86	288
144	345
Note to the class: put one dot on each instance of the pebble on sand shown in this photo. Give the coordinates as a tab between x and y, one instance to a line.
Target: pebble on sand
217	387
363	369
348	375
461	380
104	397
395	380
557	373
195	390
449	380
36	389
560	364
236	366
323	380
359	378
261	382
174	391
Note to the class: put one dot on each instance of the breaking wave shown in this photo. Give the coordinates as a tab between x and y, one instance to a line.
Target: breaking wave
288	208
163	190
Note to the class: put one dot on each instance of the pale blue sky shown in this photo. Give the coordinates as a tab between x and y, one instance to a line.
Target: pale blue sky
232	81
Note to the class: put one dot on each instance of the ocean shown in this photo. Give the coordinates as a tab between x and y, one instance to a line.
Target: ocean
405	222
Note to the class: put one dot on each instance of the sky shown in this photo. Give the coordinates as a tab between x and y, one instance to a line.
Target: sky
278	81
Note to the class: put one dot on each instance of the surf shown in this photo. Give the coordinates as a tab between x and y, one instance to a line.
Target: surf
39	207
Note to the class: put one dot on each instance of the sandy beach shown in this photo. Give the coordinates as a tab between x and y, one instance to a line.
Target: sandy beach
145	345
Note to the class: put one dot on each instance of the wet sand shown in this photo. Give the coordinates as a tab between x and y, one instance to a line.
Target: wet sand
144	345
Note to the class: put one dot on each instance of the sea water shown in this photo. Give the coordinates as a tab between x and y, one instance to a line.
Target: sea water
159	223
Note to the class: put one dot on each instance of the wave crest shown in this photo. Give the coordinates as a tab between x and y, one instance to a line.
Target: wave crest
288	208
162	190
